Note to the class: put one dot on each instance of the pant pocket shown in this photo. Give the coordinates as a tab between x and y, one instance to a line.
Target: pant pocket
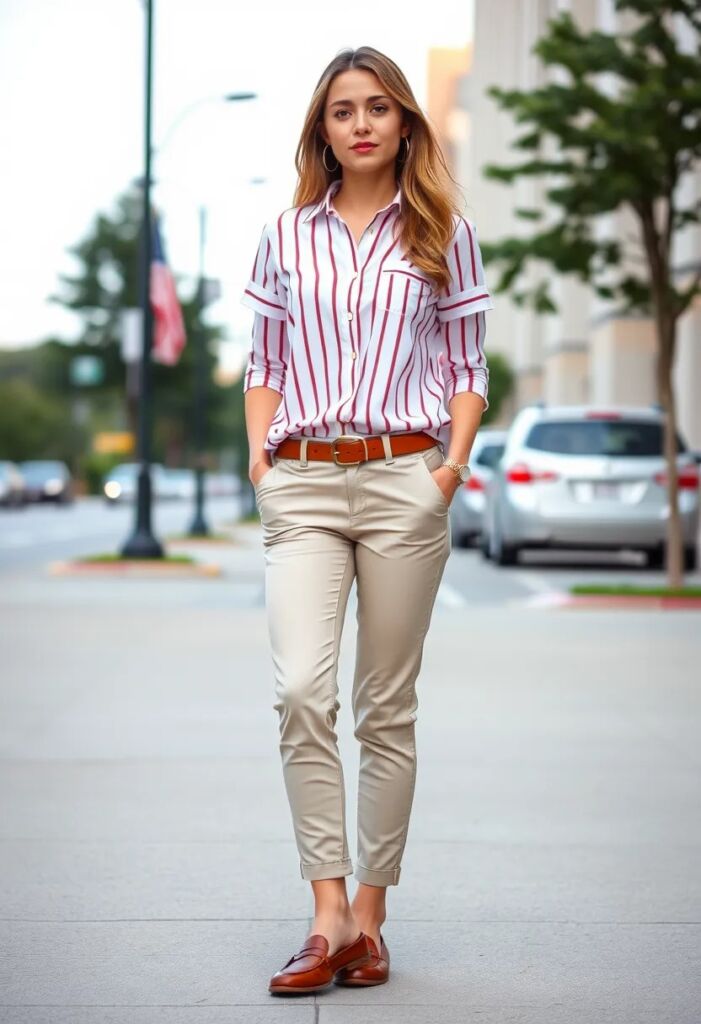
430	460
267	479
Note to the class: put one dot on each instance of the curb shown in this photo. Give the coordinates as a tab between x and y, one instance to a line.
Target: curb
559	599
201	542
141	569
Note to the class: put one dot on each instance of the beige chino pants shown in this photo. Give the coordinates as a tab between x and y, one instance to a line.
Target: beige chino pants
385	523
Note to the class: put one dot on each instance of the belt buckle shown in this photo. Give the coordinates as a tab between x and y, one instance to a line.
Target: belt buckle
348	437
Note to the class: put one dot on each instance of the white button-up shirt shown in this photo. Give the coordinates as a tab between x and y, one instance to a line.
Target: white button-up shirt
350	334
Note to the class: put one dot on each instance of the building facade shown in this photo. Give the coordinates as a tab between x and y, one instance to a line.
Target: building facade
586	352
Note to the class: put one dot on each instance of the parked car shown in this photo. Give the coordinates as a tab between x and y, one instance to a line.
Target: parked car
467	507
176	483
588	477
47	480
11	484
120	484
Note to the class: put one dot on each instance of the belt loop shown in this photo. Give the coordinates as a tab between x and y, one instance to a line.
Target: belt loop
303	452
389	457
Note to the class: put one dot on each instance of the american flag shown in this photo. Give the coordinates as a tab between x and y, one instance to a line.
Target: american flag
168	326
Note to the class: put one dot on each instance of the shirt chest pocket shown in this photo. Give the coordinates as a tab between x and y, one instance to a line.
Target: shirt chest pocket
403	288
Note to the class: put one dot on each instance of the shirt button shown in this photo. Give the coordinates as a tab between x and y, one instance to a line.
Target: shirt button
354	355
349	315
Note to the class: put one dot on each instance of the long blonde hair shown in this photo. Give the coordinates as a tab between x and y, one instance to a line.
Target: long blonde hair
428	187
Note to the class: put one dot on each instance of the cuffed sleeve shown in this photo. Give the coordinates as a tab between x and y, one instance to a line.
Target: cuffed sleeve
268	356
461	311
265	295
264	292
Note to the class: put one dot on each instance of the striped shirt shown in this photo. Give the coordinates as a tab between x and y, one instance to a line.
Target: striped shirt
350	333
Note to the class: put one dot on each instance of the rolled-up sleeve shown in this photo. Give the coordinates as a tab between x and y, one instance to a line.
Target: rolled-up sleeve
265	295
461	311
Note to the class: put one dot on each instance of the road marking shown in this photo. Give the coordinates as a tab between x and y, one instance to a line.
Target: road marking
531	581
449	597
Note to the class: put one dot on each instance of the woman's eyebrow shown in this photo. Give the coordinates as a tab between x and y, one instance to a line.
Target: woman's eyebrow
350	102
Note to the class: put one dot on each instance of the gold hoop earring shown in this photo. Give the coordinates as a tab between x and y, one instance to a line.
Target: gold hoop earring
403	160
323	160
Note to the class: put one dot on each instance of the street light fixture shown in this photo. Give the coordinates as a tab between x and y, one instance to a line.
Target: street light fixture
142	543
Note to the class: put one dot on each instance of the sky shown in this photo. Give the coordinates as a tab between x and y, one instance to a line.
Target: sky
71	128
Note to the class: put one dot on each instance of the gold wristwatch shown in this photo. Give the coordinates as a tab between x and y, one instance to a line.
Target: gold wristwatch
461	471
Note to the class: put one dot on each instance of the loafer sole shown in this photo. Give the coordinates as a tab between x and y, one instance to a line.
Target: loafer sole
359	982
296	990
304	989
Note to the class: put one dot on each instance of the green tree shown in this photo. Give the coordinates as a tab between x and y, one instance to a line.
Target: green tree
501	385
619	126
105	283
45	429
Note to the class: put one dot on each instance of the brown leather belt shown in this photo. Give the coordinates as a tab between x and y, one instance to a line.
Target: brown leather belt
350	449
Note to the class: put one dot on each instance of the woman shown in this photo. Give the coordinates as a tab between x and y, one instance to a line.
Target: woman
364	389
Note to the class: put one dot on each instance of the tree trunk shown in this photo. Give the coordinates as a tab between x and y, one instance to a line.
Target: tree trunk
675	554
658	247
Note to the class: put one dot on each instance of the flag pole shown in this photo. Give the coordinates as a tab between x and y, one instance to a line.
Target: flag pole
199	526
142	543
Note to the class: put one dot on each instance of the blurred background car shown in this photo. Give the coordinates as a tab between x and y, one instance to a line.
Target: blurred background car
219	484
467	508
168	483
587	477
12	485
176	483
120	484
47	480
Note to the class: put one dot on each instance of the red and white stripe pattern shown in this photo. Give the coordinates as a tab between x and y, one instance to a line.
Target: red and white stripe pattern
352	334
169	336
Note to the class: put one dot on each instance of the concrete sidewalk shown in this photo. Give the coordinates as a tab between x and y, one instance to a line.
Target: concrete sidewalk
148	871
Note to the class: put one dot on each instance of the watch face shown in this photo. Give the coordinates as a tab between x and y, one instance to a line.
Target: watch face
465	474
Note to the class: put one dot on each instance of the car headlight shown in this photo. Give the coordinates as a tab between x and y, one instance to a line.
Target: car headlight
112	489
53	486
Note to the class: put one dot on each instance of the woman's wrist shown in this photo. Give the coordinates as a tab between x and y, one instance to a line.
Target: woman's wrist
263	455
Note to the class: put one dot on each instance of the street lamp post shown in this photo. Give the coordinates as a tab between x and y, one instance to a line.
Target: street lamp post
198	527
142	543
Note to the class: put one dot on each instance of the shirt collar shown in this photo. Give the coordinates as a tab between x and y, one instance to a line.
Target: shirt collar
325	202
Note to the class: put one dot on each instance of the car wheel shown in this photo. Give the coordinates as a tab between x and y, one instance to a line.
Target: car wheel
655	557
501	552
483	544
508	555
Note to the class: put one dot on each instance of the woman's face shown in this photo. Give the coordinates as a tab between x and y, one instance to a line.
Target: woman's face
357	110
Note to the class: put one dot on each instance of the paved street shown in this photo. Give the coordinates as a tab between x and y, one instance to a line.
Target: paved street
147	867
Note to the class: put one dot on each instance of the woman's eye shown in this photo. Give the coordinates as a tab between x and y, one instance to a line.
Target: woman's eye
378	106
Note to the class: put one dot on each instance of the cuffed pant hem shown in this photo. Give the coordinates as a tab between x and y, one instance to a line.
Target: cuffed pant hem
370	877
330	869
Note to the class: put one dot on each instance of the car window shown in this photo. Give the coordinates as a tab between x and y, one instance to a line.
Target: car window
489	455
622	438
41	470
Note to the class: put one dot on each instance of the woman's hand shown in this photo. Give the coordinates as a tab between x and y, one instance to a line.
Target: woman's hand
257	470
448	481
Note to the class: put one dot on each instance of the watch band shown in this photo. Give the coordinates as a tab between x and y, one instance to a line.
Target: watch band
461	470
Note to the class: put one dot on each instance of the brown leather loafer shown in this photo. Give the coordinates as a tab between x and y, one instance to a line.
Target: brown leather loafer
312	969
374	972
